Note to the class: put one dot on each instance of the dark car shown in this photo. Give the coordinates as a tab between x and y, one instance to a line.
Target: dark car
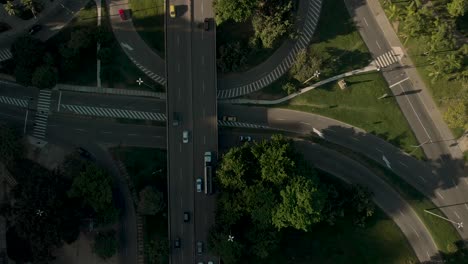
34	29
186	217
177	242
84	153
206	24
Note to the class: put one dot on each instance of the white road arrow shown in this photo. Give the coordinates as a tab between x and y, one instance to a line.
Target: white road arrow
386	161
125	45
316	131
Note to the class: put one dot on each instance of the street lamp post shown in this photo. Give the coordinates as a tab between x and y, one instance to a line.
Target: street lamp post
420	145
140	82
459	225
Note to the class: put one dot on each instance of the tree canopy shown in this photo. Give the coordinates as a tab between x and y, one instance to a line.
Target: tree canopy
105	244
151	201
237	10
94	186
42	214
11	146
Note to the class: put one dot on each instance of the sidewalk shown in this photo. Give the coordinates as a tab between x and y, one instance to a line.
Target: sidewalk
413	74
115	91
366	69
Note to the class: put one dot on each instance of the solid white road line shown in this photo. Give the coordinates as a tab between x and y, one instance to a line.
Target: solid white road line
438	193
365	21
401	212
132	135
60	99
80	129
414	230
424	180
414	111
379	150
305	123
454	184
397	83
378	45
403	164
466	206
106	132
455	212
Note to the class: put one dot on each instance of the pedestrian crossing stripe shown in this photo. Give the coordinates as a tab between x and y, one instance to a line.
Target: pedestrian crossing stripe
42	114
13	101
5	54
386	59
114	113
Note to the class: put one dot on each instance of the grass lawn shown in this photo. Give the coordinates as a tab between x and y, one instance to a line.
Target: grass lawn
123	72
358	105
381	241
148	19
86	18
443	233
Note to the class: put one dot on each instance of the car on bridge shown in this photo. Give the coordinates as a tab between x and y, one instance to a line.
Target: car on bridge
172	11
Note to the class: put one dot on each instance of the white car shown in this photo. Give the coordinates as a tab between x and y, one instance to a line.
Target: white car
185	136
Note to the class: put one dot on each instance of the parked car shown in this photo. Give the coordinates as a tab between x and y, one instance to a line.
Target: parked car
177	242
206	24
230	118
210	262
199	185
122	14
186	217
84	153
199	248
172	11
185	136
34	29
245	138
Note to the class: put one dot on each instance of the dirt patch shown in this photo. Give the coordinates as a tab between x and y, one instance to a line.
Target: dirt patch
50	156
80	252
463	143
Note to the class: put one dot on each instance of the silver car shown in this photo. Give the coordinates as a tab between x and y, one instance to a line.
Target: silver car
199	184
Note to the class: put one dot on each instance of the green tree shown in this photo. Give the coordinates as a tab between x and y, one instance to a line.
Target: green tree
237	10
44	77
289	88
361	204
10	8
305	65
232	172
229	251
334	206
301	205
105	244
456	114
259	202
263	241
94	186
232	57
28	51
457	8
442	36
107	216
105	55
23	75
42	213
30	5
269	28
275	160
394	12
157	251
151	201
81	39
11	146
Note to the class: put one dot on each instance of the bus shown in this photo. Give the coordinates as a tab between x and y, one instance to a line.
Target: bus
208	180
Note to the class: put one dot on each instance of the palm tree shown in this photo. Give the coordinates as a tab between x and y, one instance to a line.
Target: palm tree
394	11
29	4
10	8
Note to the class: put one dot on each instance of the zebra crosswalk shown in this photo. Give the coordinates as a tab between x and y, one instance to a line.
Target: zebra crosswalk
113	113
387	59
240	124
5	54
42	114
14	101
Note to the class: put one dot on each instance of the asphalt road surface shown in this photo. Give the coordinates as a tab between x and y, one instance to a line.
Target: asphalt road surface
205	125
181	182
